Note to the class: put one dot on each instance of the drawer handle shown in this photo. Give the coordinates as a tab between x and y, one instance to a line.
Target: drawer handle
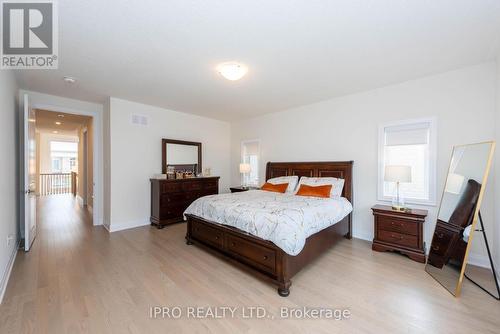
233	244
400	224
396	237
440	235
265	257
216	237
435	248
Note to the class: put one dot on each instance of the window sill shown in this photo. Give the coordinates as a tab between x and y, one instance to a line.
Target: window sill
410	201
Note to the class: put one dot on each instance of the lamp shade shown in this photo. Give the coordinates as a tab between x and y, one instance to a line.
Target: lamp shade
397	173
454	183
245	168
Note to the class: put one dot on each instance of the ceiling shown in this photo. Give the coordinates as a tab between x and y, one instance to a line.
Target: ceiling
164	53
70	124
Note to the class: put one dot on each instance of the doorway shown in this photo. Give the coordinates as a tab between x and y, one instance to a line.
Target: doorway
64	150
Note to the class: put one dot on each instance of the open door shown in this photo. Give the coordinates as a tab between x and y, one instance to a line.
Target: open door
28	172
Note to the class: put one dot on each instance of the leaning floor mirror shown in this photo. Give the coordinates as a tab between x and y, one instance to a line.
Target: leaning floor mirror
460	246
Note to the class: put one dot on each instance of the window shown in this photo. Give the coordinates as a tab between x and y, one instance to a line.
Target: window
56	165
410	143
250	152
64	155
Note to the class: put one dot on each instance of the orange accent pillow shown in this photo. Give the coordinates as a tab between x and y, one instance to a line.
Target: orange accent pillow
277	188
315	191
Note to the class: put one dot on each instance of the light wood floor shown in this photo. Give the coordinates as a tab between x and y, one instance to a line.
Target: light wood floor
80	279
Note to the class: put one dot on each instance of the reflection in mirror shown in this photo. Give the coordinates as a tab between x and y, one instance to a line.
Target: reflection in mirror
458	213
178	154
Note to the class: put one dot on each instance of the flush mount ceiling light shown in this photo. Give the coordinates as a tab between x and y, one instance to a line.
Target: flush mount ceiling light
55	132
69	80
232	70
58	123
60	115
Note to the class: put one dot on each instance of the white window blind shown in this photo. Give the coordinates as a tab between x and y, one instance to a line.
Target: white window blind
409	143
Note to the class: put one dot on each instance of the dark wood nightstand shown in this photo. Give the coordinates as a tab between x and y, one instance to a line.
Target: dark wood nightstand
239	189
400	231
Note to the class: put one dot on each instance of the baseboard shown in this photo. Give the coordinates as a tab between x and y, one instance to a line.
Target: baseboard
106	227
6	274
115	227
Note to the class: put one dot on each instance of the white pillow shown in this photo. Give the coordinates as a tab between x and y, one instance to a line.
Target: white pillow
291	180
337	184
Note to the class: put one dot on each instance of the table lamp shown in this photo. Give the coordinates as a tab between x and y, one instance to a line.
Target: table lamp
244	170
398	174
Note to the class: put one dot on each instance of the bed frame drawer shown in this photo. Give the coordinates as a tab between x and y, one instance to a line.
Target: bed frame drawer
260	256
208	234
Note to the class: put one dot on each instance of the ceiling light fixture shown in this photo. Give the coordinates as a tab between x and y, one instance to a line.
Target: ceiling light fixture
232	70
55	132
58	123
60	115
69	80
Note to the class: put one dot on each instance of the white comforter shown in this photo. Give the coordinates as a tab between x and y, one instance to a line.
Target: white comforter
284	219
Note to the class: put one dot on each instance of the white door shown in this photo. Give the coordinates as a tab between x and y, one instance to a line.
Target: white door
29	174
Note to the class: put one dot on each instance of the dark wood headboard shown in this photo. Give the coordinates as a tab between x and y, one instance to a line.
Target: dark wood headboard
338	169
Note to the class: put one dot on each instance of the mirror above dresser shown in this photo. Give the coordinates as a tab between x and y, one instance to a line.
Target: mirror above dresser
181	155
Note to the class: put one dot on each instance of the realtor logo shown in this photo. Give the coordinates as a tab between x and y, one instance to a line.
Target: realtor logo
29	35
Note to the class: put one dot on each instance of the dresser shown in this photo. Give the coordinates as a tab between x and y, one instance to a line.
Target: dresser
400	231
169	198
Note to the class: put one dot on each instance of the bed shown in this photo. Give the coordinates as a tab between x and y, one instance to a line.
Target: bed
263	256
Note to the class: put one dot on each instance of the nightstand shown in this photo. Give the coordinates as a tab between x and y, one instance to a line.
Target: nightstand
239	189
400	231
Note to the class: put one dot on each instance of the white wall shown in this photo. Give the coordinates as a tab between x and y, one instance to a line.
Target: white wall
345	128
497	168
8	181
135	155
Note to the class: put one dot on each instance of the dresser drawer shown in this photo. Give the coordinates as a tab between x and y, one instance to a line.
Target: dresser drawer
212	184
167	187
397	225
264	257
191	186
207	234
442	240
398	238
172	198
173	211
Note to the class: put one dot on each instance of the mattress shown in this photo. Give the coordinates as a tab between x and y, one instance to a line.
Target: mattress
287	220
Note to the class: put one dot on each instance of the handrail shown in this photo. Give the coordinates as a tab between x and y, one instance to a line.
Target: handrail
58	183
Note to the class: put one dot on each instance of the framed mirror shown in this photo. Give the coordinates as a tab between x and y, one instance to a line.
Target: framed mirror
181	155
458	214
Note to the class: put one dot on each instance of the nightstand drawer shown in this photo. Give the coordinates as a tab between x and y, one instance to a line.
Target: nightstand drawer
398	238
397	225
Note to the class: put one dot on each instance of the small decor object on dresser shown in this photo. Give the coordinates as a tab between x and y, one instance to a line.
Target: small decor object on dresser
400	231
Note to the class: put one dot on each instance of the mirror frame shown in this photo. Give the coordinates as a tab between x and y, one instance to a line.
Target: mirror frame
475	219
164	143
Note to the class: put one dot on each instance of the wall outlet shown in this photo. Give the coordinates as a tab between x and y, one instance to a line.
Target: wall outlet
10	239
